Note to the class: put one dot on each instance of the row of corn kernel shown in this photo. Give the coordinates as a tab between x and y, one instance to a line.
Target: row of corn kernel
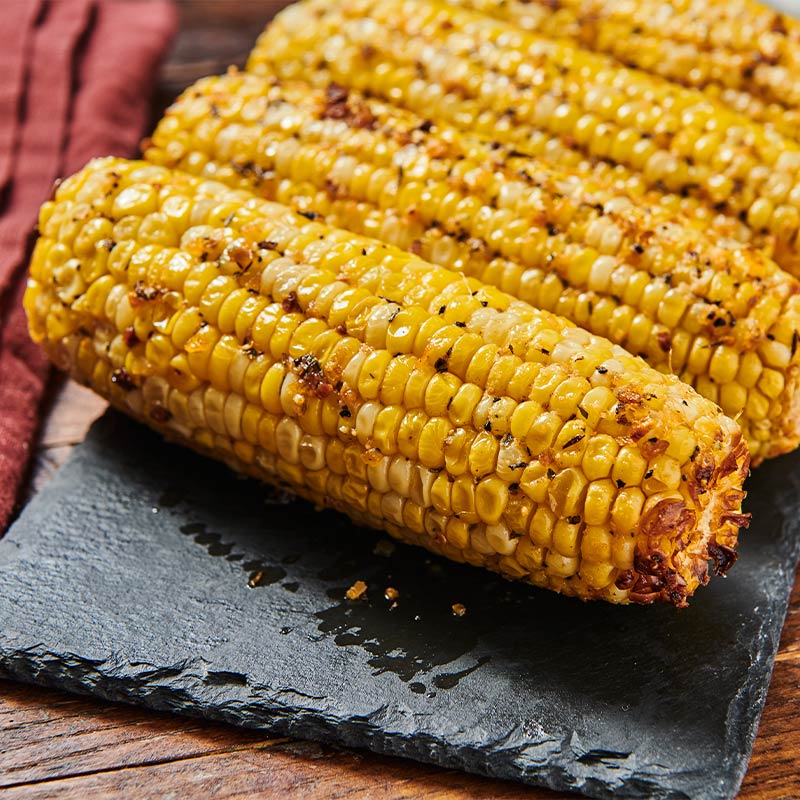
478	72
747	66
695	350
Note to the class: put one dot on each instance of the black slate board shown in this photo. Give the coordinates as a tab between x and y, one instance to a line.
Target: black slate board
127	578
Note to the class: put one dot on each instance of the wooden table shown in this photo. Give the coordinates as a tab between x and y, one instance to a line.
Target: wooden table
54	744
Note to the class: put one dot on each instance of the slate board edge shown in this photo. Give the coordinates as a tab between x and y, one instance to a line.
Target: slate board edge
751	695
41	667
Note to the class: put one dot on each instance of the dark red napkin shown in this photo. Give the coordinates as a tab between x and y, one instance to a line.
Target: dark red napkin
75	82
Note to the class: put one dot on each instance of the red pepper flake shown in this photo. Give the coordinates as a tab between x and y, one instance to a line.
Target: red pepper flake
289	303
332	189
142	293
339	106
160	414
336	93
664	341
129	337
121	378
312	377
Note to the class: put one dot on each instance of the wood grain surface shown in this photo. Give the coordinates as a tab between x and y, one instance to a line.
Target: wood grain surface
56	745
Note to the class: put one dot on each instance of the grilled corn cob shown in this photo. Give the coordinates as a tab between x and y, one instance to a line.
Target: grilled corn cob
741	52
723	318
505	83
408	396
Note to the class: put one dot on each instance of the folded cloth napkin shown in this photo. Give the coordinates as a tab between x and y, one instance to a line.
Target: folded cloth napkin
75	82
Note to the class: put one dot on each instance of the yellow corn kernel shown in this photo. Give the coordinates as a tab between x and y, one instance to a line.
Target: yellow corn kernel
457	533
724	364
529	555
596	574
599	456
600	496
431	442
441	495
568	395
663	474
630	467
543	431
627	509
561	566
491	497
567	538
535	481
771	383
570	444
483	455
464	403
542	527
395	378
596	544
566	493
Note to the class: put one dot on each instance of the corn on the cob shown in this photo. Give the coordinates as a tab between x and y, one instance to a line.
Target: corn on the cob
741	52
722	317
502	82
293	22
410	397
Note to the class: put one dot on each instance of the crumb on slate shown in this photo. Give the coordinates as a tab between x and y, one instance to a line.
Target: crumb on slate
459	609
356	591
391	593
255	579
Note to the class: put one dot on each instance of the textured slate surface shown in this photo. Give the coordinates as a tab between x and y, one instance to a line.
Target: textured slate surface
131	577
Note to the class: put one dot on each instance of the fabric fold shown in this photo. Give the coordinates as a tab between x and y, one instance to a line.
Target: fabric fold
120	61
42	134
75	82
16	32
